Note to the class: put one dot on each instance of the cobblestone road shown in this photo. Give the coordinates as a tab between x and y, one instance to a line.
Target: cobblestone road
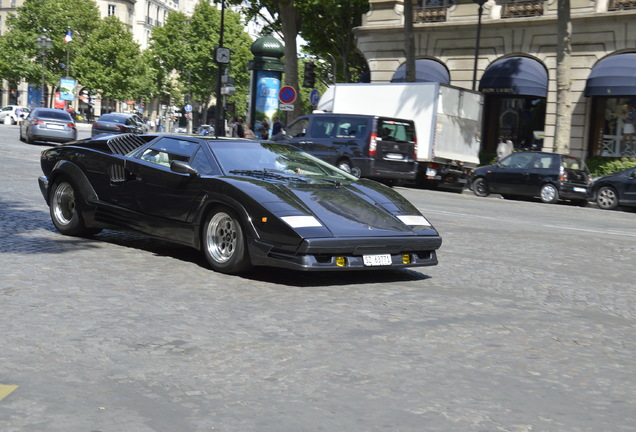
527	324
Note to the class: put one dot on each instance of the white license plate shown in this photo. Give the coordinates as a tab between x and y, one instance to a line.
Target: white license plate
376	260
54	126
395	156
578	189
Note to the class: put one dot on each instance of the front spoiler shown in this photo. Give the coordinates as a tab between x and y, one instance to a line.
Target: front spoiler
321	254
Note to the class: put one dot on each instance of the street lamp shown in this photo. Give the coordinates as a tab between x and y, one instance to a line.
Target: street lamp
480	11
44	44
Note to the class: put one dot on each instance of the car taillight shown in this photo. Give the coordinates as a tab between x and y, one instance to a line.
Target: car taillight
121	128
564	175
37	122
414	148
71	125
373	144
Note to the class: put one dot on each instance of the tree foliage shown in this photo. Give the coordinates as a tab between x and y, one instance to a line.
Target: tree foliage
109	62
52	18
184	49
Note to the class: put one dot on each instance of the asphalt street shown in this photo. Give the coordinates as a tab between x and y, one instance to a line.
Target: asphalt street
527	324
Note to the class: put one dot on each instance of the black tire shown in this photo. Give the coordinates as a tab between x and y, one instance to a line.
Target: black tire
21	137
549	194
224	243
607	198
480	187
27	138
345	165
64	203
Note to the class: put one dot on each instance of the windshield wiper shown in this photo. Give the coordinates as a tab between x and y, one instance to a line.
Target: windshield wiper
265	173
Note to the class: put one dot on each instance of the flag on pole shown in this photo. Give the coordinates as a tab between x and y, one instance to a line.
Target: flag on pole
68	36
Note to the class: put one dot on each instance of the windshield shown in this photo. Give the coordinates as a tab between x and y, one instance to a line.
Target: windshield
257	159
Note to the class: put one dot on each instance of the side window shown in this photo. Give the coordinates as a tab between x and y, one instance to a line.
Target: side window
298	129
323	127
201	163
166	150
518	160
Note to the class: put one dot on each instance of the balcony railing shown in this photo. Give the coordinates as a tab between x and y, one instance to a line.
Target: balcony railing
429	13
521	8
615	5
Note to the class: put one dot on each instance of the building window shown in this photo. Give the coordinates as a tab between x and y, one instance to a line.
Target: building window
111	10
520	8
432	10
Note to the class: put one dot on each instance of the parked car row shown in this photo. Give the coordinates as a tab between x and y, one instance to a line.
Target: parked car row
553	177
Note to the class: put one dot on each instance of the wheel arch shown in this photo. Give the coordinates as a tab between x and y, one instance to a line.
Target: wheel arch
213	202
71	172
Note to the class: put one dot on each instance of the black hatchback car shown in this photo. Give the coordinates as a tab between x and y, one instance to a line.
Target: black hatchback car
549	176
616	189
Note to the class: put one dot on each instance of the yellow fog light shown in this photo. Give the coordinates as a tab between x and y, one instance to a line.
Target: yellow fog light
406	259
341	261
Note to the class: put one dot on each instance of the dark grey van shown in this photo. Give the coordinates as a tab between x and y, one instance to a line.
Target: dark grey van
377	147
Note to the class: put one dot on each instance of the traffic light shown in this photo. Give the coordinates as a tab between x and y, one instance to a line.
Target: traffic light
309	76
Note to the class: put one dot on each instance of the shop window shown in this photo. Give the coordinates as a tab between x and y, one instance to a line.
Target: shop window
615	119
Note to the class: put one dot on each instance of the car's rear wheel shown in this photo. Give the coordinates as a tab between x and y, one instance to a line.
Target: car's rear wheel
480	187
224	242
65	213
606	198
549	193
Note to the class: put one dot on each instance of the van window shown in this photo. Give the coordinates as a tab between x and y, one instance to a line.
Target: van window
391	130
323	127
298	128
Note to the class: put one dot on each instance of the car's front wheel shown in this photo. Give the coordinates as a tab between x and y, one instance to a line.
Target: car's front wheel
345	165
549	193
480	187
65	212
606	198
224	242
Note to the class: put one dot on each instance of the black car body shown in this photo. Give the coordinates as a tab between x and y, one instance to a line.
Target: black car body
242	202
118	123
549	176
377	147
616	189
48	124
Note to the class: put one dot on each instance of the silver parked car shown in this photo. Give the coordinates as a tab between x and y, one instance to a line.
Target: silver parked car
48	124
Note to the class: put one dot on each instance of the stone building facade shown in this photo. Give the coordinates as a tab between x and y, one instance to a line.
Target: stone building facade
516	65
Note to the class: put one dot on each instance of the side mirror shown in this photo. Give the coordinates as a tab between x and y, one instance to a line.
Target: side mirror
183	168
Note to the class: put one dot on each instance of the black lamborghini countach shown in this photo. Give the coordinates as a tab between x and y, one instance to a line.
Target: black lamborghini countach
243	203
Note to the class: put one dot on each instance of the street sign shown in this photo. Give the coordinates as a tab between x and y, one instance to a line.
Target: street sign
314	97
287	95
286	107
188	108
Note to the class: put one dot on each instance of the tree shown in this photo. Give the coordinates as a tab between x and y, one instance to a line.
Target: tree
283	16
327	27
34	18
109	62
564	55
185	47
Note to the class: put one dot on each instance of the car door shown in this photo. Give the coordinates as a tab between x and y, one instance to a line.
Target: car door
159	191
629	193
318	137
512	175
544	168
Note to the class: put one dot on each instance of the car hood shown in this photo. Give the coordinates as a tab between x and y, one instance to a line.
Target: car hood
362	208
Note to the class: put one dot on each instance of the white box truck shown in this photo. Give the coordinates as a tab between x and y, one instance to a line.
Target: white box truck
447	123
